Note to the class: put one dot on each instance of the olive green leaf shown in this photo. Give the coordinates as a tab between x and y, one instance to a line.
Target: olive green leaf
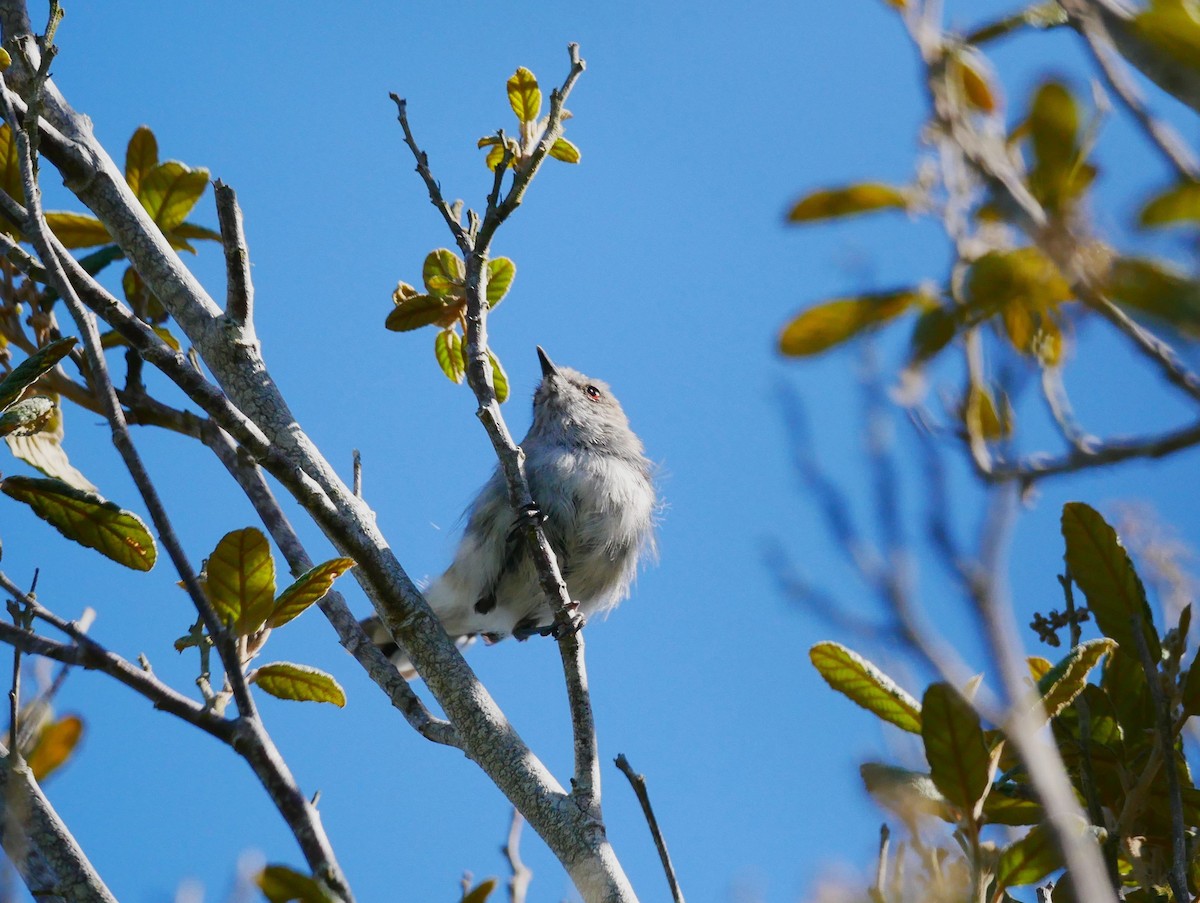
415	312
281	884
77	230
43	448
933	331
1061	684
855	677
1059	173
141	156
87	519
27	416
958	757
287	680
1100	566
832	322
480	892
1029	859
240	579
1157	288
524	95
24	374
907	793
969	73
1178	204
310	587
169	192
501	271
1024	276
850	200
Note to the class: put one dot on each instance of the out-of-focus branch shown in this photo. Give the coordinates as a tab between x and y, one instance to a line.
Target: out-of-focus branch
518	882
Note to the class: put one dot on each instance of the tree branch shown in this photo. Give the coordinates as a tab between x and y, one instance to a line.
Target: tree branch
638	783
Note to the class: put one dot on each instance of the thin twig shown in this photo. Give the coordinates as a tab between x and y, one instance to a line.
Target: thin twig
638	783
518	882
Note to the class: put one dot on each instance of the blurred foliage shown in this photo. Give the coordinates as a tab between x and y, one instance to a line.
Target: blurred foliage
1106	732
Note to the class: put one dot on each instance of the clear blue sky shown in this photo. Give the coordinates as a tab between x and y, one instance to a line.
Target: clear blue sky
660	264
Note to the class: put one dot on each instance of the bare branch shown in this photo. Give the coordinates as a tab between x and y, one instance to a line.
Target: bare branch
518	883
239	304
638	783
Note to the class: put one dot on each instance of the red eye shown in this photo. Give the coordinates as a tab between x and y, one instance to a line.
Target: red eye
592	392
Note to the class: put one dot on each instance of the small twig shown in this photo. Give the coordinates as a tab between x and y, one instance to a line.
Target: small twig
518	882
878	892
239	304
435	191
638	782
357	474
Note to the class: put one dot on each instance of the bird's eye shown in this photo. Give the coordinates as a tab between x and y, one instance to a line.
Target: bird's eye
592	392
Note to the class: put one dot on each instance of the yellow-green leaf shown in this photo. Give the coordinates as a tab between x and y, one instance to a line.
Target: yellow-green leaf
112	339
564	150
1059	173
10	170
524	96
830	203
501	271
310	587
1100	567
415	312
480	892
240	579
983	418
193	231
1038	666
281	884
287	680
499	378
141	156
87	519
1061	684
973	80
1173	28
1178	204
170	190
495	155
54	746
855	677
25	373
443	273
77	230
833	322
958	757
44	450
1025	277
447	348
1003	807
1029	859
933	331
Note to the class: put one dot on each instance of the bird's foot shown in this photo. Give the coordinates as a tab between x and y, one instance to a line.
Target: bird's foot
577	621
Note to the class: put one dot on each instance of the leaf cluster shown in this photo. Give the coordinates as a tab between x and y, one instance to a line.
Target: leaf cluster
1106	731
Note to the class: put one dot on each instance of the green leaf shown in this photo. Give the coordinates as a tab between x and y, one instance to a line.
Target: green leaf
1029	859
27	416
1004	807
501	271
524	96
564	150
281	884
310	587
193	231
87	519
1066	680
855	677
1100	566
169	191
240	579
1191	688
499	378
447	348
1172	28
1059	173
833	322
907	793
932	332
54	746
25	373
496	154
11	180
44	450
112	339
443	273
1157	288
1178	204
1025	277
480	892
833	203
141	156
415	312
287	680
959	762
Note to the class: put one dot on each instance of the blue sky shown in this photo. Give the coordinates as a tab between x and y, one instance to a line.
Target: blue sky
660	264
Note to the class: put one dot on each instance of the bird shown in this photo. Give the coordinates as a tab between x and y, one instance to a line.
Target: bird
594	491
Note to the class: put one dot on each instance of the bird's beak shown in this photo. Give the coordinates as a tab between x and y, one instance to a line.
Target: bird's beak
548	368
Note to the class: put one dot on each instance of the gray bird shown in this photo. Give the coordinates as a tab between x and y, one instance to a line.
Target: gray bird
593	486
